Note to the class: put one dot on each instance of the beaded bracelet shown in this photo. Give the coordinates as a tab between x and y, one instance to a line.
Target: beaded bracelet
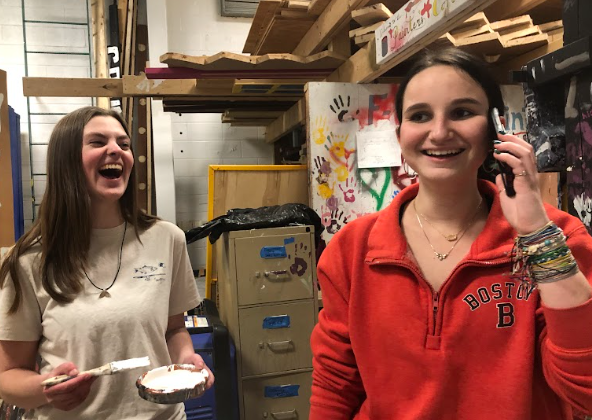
542	256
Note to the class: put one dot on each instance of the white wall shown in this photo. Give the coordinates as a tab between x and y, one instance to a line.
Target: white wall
41	37
195	27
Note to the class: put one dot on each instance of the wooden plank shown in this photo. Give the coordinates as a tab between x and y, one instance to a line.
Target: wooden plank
335	16
371	14
72	87
122	6
509	24
477	20
227	61
299	4
548	185
294	14
363	39
286	122
188	73
151	205
521	33
340	43
365	30
141	86
6	193
506	9
551	26
266	10
466	33
100	46
362	67
141	146
487	44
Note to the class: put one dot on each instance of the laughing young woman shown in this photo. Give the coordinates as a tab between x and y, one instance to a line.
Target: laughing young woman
95	280
426	322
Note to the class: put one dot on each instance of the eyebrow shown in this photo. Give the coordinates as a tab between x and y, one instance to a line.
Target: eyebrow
99	134
423	105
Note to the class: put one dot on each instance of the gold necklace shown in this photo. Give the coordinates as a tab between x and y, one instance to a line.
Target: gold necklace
439	255
450	238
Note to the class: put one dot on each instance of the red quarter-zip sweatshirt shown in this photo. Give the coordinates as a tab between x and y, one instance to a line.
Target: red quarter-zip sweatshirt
484	347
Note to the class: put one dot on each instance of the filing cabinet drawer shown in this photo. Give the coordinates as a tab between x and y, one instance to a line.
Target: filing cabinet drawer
276	338
274	268
285	397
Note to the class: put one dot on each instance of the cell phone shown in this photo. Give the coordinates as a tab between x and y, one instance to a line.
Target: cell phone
505	170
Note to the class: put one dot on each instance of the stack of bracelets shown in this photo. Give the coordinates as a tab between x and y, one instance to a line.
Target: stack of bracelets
543	256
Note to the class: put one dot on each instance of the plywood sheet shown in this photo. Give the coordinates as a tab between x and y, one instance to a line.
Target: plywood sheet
253	186
284	35
232	61
261	21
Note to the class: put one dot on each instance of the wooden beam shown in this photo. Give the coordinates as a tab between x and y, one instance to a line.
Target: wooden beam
286	122
361	67
72	87
340	43
6	193
364	30
335	16
141	86
100	47
317	7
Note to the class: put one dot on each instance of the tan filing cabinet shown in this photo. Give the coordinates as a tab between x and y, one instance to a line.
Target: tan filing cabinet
268	300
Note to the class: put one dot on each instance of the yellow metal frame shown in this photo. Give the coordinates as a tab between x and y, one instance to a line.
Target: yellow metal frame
211	170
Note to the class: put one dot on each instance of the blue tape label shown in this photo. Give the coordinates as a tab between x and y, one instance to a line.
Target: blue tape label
273	252
281	391
274	322
289	240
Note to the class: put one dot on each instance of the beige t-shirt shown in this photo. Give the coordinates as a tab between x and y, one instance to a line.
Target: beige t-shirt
155	281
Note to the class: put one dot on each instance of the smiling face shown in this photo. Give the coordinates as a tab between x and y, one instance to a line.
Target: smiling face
443	131
107	159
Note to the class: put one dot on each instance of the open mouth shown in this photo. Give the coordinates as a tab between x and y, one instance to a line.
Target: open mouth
111	171
443	153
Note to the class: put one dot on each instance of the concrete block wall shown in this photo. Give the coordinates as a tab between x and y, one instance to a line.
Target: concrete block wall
47	38
195	27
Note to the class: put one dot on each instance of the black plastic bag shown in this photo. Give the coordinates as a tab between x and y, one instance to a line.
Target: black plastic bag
263	217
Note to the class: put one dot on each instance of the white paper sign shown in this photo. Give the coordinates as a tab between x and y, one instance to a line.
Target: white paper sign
378	149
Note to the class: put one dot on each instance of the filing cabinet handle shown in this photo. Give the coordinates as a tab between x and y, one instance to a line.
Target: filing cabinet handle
285	415
279	274
280	345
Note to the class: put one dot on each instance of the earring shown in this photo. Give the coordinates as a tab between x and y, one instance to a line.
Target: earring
409	171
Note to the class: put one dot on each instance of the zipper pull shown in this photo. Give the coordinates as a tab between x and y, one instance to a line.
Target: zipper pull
435	302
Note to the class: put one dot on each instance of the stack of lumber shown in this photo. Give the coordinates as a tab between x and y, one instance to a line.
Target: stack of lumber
370	18
236	82
279	25
502	40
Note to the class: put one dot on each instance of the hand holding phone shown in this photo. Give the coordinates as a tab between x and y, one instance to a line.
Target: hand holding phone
505	170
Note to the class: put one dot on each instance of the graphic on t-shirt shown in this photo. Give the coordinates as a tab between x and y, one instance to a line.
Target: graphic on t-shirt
149	272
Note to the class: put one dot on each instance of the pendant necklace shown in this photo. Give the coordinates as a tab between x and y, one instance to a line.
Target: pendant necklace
457	237
104	292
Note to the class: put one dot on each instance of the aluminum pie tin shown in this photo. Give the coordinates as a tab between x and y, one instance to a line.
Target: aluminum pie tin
171	394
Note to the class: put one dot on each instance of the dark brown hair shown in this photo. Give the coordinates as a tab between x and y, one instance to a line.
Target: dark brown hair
63	226
477	69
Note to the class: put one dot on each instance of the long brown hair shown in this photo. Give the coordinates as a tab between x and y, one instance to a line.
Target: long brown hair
63	225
